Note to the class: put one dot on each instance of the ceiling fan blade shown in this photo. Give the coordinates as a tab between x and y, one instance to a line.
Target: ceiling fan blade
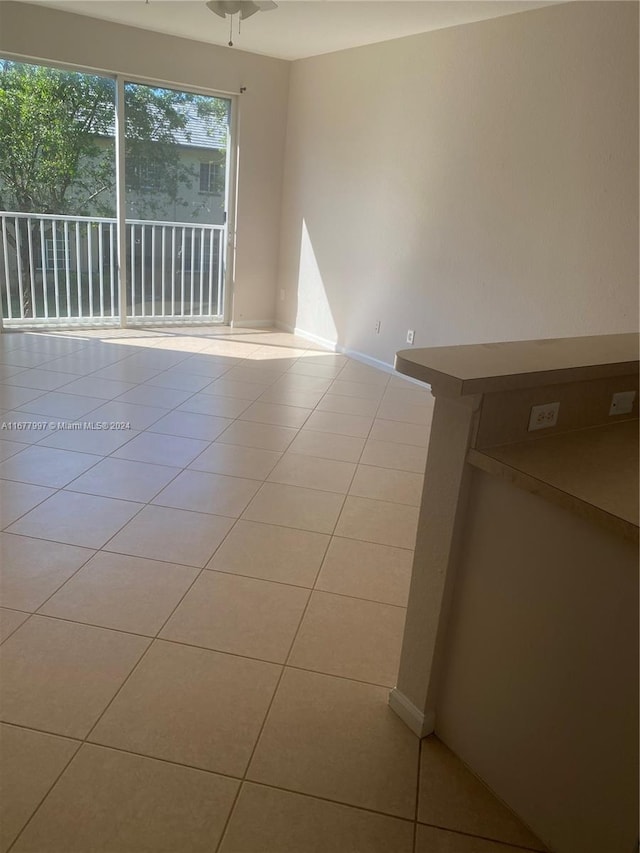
246	8
250	8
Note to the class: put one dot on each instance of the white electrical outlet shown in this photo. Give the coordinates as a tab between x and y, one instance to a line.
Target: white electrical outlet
377	327
282	295
544	416
622	402
410	336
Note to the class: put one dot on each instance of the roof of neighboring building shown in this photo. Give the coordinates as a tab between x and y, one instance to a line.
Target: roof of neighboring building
201	131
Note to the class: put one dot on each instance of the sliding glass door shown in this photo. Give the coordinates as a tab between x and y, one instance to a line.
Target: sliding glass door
60	223
176	184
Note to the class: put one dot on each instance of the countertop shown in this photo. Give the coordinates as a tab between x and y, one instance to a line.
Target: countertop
591	471
479	368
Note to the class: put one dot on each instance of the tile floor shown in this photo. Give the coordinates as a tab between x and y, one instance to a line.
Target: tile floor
203	611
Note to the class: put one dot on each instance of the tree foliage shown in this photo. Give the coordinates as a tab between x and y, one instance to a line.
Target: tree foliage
57	129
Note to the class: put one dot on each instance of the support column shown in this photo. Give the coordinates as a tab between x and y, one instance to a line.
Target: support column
453	430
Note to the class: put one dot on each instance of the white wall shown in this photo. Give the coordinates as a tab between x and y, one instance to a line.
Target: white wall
47	34
477	183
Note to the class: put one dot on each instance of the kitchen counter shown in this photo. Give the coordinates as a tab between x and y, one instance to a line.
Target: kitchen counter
480	368
520	645
593	472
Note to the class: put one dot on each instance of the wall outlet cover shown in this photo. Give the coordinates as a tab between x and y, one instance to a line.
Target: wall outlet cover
543	416
622	402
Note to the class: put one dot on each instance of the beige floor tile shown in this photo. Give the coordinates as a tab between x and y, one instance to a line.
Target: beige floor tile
333	358
173	535
363	374
360	390
389	454
260	372
191	425
209	365
324	445
273	553
209	404
260	436
8	370
273	413
205	492
399	432
386	484
291	397
192	706
154	395
137	417
14	397
160	449
57	519
364	570
347	405
298	382
160	808
432	840
334	422
121	592
82	363
233	388
122	478
59	676
18	357
243	616
32	569
99	441
407	412
9	448
31	763
350	637
121	371
18	498
236	461
378	521
149	356
295	469
46	466
179	378
39	379
91	386
306	368
291	506
25	427
267	819
338	739
10	620
452	797
56	405
411	394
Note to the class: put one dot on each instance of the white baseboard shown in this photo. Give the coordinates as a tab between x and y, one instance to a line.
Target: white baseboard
352	353
420	724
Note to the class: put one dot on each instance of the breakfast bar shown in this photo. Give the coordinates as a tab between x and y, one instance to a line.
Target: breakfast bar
521	643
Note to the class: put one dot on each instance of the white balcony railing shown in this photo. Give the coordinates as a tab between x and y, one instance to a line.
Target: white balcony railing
63	269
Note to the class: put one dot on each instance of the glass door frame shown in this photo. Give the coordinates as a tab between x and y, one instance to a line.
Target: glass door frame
231	185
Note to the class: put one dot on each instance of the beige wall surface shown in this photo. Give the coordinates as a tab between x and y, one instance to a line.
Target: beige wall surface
48	34
477	183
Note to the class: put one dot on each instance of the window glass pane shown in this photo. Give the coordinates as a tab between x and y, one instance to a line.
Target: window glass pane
176	147
57	193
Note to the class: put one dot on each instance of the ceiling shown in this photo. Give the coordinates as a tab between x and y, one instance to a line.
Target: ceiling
297	28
